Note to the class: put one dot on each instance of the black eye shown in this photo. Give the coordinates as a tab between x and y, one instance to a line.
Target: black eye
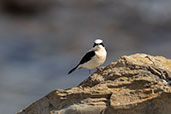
102	44
94	44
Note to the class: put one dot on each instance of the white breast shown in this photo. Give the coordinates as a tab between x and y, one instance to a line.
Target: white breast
97	60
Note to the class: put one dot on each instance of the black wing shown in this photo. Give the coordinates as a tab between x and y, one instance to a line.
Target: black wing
87	57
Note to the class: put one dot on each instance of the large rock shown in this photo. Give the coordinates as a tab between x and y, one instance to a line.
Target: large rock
136	84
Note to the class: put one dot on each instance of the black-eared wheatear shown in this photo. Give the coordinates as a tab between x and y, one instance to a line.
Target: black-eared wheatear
93	58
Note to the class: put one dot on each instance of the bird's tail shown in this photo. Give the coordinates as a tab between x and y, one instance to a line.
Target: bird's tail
72	70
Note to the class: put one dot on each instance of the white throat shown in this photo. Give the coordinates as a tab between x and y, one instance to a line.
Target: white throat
99	47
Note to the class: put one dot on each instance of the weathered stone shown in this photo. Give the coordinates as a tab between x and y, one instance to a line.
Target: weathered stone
136	84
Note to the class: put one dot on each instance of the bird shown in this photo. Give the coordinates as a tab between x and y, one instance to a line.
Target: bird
95	57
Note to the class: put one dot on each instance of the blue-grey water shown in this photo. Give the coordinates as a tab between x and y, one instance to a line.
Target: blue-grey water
37	50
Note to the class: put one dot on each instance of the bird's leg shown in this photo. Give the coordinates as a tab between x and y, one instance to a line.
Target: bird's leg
89	71
97	68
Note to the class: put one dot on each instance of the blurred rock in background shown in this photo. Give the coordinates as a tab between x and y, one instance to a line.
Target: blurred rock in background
25	7
41	40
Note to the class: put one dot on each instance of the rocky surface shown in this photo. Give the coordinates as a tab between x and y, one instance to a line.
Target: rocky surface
135	84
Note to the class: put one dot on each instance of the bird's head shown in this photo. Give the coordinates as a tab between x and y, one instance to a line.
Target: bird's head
98	43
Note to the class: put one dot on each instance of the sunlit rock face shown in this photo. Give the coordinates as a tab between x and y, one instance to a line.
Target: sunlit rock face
135	84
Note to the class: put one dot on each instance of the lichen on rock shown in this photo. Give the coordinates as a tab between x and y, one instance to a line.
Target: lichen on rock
135	84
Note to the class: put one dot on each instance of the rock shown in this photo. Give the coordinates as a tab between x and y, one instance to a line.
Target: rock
135	84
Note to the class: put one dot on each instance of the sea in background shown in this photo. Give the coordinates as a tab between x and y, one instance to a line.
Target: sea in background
41	40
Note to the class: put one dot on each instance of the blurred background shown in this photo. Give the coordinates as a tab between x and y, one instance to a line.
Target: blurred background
41	40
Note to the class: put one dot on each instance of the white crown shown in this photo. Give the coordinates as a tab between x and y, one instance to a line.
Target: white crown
98	41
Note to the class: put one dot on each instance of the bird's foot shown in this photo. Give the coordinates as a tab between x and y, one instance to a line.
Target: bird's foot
99	69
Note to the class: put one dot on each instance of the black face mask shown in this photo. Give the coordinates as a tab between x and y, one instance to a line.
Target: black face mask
98	44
